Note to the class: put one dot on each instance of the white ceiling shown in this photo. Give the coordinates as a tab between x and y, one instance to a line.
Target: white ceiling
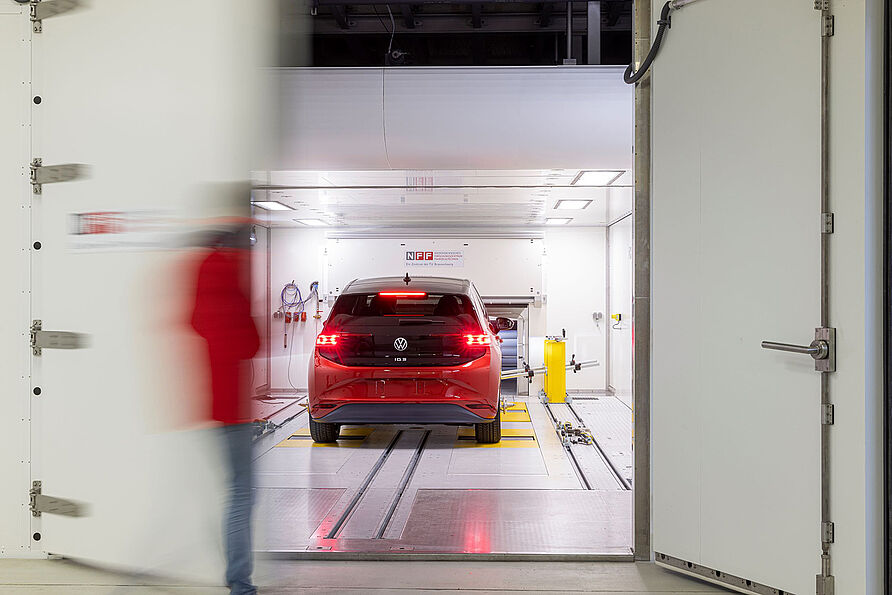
442	198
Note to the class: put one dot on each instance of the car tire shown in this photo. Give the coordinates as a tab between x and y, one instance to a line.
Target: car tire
323	432
489	433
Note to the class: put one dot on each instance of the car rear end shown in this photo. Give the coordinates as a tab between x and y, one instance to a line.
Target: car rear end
405	356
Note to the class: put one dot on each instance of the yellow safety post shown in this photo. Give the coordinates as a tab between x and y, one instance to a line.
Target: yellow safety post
555	370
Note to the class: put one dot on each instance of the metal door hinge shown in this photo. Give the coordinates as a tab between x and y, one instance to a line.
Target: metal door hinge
42	9
827	414
41	339
828	25
826	222
50	174
41	503
825	585
827	532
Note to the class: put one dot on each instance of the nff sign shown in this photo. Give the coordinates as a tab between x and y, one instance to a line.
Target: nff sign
416	256
435	258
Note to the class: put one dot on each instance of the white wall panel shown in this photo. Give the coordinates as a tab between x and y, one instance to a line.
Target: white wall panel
456	118
620	265
573	283
15	412
576	277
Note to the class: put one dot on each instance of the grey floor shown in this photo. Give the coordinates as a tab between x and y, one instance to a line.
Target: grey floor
526	495
63	577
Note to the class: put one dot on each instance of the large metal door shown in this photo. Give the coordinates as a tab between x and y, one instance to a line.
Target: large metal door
737	259
157	99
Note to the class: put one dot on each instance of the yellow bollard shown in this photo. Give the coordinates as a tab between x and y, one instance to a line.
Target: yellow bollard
555	371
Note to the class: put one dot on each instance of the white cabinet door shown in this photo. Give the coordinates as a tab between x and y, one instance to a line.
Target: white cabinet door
736	260
158	99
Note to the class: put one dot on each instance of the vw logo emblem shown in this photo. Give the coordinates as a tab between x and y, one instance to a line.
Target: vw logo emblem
400	344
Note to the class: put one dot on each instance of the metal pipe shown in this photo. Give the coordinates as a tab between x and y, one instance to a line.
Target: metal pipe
641	351
569	32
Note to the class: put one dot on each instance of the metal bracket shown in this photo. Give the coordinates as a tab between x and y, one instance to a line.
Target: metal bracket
822	4
50	174
826	337
42	9
827	532
41	503
826	222
828	25
41	339
827	414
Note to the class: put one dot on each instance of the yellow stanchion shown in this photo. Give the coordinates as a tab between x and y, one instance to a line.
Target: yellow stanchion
555	371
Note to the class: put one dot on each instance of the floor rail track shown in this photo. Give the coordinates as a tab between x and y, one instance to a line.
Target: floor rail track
404	483
333	533
619	477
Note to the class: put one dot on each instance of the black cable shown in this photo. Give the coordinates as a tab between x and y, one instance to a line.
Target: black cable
631	76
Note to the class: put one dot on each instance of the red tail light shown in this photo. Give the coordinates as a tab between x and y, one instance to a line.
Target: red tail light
403	294
476	339
326	340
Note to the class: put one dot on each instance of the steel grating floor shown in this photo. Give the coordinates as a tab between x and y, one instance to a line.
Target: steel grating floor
431	489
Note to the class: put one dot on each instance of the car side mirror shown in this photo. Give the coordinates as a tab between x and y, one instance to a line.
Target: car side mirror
503	324
493	327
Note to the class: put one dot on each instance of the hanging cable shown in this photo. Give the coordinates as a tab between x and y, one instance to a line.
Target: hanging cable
631	76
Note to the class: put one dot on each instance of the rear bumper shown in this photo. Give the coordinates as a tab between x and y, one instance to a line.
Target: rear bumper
468	393
402	413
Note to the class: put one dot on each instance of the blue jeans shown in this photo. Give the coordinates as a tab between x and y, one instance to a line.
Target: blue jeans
239	556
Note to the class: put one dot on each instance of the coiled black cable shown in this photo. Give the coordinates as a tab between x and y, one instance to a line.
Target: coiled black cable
631	76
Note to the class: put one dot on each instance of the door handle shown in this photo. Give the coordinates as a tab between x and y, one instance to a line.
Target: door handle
816	349
822	349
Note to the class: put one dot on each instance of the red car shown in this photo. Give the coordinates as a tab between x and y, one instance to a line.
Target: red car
399	350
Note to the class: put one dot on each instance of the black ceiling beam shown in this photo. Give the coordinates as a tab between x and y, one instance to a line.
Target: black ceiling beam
408	16
545	14
477	15
339	11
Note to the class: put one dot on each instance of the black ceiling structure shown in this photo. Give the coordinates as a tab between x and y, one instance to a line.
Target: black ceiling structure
479	33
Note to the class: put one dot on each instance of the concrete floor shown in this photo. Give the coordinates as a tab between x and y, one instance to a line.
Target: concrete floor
63	577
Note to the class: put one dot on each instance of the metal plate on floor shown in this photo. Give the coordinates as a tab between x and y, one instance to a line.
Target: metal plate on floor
287	517
535	521
350	438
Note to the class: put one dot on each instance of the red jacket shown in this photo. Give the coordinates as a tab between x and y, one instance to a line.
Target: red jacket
222	315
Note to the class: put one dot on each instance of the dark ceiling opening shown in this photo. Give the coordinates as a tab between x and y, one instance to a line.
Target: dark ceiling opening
487	33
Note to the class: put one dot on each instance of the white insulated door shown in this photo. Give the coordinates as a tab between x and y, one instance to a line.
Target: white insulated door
155	97
736	260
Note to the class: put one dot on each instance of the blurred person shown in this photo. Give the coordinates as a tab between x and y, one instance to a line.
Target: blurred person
222	316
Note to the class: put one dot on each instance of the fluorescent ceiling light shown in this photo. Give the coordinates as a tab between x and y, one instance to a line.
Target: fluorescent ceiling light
272	205
558	220
596	178
568	204
312	222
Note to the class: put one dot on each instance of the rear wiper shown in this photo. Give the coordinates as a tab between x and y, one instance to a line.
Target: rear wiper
409	321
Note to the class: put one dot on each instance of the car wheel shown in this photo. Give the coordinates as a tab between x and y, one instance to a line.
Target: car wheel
489	433
322	432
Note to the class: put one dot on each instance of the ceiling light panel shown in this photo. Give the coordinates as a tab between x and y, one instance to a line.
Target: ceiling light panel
596	178
312	222
272	205
558	220
571	204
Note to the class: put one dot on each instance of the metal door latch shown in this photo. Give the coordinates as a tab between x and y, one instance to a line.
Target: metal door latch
41	339
41	503
50	174
42	9
822	349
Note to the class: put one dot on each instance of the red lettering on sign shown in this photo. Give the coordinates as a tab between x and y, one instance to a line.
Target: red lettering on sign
428	255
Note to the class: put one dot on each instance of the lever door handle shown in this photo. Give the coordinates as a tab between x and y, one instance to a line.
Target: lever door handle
818	349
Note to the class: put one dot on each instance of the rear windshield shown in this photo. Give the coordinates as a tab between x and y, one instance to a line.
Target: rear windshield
385	309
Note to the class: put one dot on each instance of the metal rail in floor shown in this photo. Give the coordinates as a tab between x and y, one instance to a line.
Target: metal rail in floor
432	491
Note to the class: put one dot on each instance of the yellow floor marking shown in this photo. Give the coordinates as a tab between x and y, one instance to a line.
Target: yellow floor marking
511	438
302	439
